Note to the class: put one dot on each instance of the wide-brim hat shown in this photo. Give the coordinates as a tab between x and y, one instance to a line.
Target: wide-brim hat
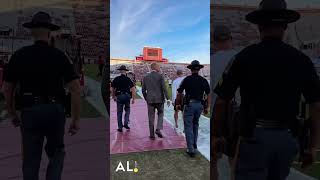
273	12
41	20
195	65
123	67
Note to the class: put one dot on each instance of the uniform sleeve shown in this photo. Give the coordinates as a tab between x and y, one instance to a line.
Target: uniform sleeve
69	73
229	82
131	84
206	87
311	85
11	70
113	83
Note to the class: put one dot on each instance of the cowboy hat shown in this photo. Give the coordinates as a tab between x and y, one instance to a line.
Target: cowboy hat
123	67
195	65
41	20
273	12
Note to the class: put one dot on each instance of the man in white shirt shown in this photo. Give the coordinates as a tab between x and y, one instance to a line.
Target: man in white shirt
221	58
175	85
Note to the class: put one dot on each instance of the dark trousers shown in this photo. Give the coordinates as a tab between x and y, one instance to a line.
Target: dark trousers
267	156
191	115
39	123
152	107
123	102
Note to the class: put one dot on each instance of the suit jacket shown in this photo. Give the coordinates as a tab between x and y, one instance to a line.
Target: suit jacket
154	89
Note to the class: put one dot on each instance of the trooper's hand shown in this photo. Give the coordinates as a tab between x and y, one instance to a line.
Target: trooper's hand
205	111
15	120
74	127
114	98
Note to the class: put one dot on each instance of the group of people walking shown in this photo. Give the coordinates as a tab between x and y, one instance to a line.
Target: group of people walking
188	96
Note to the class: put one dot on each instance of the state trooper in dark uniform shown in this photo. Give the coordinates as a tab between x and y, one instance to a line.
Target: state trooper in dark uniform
195	87
34	85
272	76
123	90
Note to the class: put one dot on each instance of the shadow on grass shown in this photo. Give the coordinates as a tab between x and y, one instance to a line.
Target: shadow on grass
161	165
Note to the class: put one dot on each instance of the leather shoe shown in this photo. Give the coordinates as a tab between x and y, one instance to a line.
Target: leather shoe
191	154
126	126
119	130
159	134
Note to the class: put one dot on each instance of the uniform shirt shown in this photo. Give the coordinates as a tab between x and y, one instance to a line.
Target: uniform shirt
175	85
122	84
195	86
272	76
40	69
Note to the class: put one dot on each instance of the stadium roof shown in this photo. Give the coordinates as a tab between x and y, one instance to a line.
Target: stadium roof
291	3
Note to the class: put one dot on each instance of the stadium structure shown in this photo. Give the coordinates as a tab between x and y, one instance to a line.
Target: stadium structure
140	65
304	34
84	32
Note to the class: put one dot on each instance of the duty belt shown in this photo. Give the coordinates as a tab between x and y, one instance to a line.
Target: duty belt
195	100
121	93
30	100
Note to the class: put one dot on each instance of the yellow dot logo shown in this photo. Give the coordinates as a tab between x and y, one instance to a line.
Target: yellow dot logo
135	170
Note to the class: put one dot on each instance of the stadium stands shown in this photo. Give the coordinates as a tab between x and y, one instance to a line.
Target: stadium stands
168	70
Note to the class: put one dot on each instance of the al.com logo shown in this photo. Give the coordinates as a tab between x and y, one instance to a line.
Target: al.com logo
129	166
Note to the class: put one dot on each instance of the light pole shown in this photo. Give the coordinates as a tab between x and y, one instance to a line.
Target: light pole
12	40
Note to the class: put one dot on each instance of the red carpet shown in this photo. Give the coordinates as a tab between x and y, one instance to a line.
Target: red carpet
137	138
86	155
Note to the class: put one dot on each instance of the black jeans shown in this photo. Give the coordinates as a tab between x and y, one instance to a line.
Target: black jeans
38	123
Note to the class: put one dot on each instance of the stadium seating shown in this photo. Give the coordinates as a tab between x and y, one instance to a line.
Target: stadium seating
169	70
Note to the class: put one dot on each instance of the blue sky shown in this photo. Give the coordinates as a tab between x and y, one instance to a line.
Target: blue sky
180	27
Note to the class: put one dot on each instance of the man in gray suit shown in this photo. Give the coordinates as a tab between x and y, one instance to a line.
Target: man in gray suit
155	93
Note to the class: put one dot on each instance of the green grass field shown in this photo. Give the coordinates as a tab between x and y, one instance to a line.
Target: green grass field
91	70
161	165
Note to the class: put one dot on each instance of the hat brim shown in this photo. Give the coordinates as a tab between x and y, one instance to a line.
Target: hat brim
120	69
31	25
194	66
273	16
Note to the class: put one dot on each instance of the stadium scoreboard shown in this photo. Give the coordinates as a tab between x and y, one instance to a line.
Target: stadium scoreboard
152	54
